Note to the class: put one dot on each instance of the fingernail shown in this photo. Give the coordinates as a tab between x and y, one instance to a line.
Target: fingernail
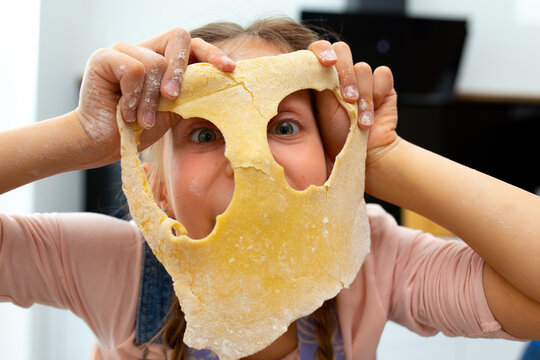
171	87
148	119
227	61
366	118
328	55
364	105
350	92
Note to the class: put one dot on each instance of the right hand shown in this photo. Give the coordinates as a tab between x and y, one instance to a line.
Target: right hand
135	76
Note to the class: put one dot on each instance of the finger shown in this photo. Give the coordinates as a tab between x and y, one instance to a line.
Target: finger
344	66
333	122
164	121
364	78
206	52
383	83
155	66
124	71
174	45
324	52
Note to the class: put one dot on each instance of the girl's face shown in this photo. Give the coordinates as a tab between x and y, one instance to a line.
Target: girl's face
199	179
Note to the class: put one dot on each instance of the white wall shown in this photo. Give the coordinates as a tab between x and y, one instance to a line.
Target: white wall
500	58
19	29
59	72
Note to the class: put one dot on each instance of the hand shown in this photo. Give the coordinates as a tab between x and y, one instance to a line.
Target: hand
135	76
373	92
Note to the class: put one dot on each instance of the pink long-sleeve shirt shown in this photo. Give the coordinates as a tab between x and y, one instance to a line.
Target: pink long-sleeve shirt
91	264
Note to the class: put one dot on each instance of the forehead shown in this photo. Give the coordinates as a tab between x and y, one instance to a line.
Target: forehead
248	48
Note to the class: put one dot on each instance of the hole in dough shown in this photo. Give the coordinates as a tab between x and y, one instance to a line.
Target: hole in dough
320	127
176	230
202	177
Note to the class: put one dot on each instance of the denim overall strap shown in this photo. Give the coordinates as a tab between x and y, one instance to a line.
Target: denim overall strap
155	294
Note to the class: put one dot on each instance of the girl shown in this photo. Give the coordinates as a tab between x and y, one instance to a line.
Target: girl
91	264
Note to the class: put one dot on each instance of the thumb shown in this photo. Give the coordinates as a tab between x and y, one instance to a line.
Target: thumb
333	122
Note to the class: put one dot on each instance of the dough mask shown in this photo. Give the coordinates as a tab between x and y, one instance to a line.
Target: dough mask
276	253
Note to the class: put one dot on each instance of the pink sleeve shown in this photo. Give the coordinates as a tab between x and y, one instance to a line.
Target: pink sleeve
87	263
438	286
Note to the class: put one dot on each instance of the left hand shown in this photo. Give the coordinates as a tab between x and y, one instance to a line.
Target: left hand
372	91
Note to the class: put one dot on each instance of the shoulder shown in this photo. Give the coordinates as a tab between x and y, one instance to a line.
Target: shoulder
86	220
384	230
100	237
388	237
67	221
62	227
74	235
102	256
88	227
99	225
376	273
379	219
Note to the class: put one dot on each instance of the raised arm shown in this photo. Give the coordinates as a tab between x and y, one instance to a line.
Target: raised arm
37	151
499	221
134	76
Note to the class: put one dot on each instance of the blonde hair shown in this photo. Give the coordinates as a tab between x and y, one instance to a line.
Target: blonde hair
287	35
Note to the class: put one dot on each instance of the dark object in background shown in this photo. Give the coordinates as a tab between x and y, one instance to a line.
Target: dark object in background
424	54
104	191
377	6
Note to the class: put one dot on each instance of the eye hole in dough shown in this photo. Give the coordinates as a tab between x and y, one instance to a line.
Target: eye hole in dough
299	134
175	230
202	177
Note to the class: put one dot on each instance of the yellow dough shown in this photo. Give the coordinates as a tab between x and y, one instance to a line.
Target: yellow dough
276	253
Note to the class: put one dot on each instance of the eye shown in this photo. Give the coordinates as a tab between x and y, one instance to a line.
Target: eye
284	128
205	135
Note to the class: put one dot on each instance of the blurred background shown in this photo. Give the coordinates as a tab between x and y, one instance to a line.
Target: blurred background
466	73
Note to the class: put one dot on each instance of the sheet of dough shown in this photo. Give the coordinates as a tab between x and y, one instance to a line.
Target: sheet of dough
276	253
